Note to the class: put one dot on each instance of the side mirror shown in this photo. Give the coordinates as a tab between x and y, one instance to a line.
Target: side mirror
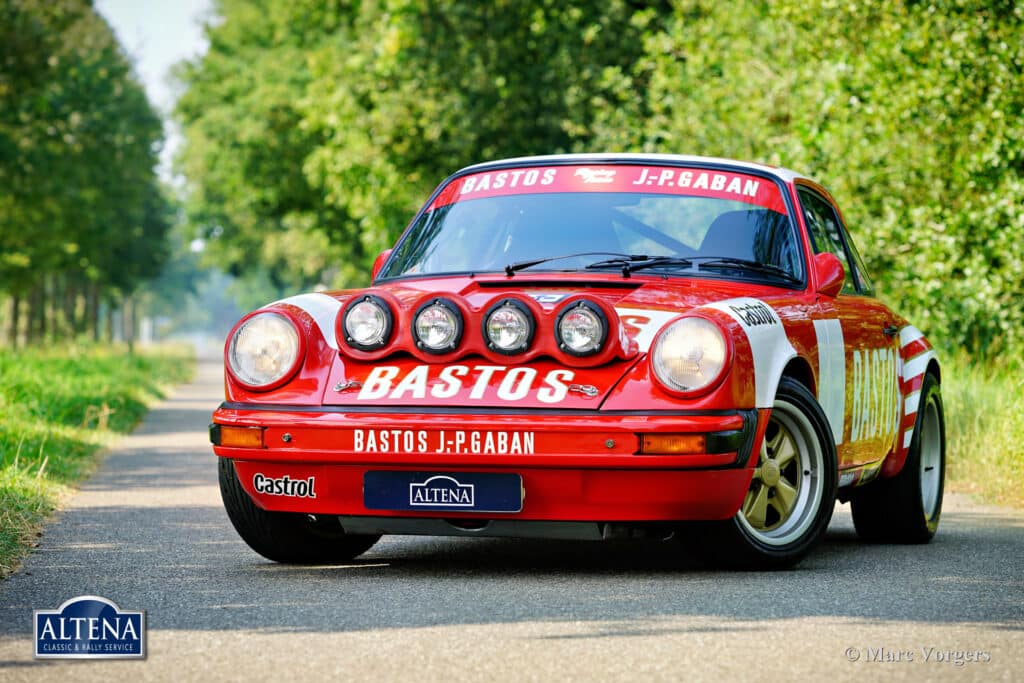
829	274
378	263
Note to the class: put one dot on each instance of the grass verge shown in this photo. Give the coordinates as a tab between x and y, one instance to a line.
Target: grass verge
58	409
984	428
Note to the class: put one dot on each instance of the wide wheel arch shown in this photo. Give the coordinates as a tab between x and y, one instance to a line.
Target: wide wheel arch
749	540
907	508
799	368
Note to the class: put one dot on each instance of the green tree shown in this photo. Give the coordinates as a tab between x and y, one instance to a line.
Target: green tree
910	111
81	212
249	197
315	129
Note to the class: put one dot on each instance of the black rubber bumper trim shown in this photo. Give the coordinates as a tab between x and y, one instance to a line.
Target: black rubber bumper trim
748	433
740	440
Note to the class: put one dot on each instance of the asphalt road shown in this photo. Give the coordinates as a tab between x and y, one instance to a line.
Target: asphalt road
148	531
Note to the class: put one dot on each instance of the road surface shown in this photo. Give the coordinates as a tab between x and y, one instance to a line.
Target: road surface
148	531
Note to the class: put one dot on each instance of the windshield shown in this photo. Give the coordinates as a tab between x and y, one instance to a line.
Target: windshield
574	217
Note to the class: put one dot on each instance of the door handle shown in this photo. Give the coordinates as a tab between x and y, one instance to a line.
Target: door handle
890	330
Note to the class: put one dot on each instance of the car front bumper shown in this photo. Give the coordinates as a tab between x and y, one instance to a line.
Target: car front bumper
579	466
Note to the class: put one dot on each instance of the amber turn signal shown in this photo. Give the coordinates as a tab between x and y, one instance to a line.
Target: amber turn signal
672	444
241	437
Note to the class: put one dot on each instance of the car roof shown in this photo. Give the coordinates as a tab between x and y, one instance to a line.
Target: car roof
783	174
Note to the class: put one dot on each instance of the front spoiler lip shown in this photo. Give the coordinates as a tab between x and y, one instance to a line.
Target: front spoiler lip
334	417
566	530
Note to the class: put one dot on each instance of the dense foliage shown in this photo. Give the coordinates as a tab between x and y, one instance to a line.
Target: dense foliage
911	112
82	216
315	128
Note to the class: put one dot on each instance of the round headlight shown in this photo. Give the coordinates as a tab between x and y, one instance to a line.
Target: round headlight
367	323
690	355
581	329
263	350
508	327
438	327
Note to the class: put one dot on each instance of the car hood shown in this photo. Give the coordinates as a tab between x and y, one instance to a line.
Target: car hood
643	306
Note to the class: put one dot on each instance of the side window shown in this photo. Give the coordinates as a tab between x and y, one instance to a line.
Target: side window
866	286
826	233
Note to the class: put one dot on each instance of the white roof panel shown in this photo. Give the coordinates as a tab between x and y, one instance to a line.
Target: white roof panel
783	174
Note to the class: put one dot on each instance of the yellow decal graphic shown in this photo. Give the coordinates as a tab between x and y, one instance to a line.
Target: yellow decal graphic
875	395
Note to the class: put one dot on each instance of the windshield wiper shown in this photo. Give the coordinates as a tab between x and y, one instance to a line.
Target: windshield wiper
641	261
746	264
512	268
656	261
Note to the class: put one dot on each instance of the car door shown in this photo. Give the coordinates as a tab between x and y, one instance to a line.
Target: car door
861	331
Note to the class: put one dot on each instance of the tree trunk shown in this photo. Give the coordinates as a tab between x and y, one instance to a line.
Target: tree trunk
51	306
110	323
128	322
14	319
36	315
92	310
70	300
46	310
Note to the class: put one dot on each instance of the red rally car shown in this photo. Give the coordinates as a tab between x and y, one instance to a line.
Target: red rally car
590	347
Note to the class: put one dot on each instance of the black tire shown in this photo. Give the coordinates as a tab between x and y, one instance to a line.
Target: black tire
906	508
776	535
287	537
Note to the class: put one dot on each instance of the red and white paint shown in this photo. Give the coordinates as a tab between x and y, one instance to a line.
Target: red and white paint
915	353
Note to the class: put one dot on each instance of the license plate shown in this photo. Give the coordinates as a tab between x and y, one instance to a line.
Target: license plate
443	491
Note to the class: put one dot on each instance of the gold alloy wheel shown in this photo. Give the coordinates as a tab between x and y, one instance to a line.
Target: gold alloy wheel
776	484
788	484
